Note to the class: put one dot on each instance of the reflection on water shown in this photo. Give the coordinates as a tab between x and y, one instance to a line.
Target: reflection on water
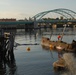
8	67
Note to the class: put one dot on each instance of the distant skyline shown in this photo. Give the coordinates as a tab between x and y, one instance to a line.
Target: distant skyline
21	9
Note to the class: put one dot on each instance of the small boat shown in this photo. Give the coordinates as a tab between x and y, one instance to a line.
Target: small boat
59	64
59	45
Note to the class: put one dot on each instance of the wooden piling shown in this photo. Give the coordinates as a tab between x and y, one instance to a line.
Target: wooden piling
6	46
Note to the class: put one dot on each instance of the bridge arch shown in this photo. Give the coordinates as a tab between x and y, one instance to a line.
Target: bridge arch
63	12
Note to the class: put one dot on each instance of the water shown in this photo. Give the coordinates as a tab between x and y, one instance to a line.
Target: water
37	61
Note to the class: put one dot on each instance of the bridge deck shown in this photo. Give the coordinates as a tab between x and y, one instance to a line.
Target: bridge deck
38	21
16	22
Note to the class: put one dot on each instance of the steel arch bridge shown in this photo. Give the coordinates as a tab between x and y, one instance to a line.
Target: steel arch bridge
63	12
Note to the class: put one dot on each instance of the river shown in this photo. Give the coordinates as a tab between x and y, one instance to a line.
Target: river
37	61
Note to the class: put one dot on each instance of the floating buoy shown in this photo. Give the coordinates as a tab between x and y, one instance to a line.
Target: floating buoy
28	49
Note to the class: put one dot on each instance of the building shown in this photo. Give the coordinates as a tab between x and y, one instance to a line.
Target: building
7	20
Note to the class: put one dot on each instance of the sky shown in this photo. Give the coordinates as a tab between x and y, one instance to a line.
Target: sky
21	9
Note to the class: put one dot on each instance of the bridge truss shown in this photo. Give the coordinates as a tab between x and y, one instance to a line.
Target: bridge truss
63	12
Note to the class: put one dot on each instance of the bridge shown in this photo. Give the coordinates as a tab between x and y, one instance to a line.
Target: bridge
63	12
8	28
38	20
36	24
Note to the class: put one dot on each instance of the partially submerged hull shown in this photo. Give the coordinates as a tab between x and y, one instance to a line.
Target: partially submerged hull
59	64
58	45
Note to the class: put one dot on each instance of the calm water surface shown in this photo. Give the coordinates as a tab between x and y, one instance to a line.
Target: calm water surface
37	61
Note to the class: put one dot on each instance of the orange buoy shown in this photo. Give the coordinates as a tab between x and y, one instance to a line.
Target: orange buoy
28	49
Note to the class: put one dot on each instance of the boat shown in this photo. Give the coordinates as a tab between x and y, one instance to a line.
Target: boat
59	65
59	45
